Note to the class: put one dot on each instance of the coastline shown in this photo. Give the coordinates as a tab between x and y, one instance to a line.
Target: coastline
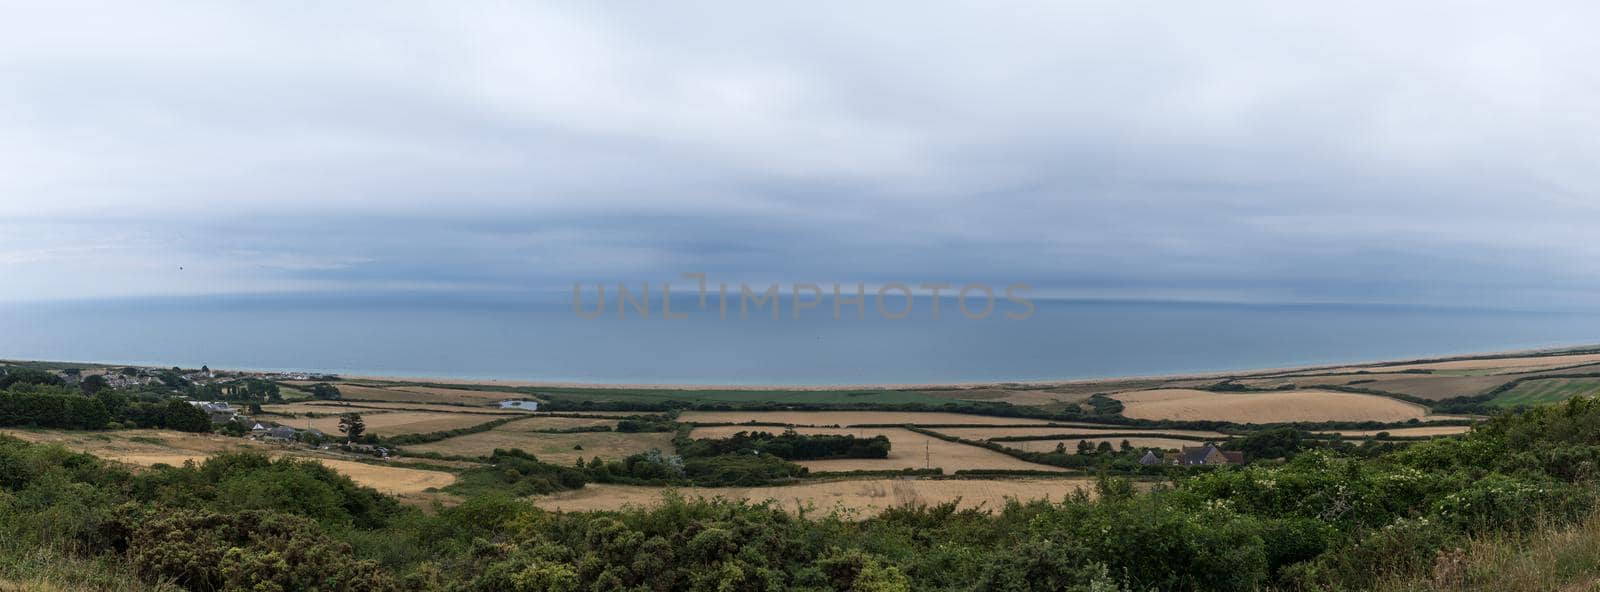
1029	384
1370	365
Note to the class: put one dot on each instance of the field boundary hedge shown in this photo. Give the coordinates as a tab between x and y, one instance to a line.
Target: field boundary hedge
1076	436
410	439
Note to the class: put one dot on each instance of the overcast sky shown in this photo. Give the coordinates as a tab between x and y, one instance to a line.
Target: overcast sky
1238	151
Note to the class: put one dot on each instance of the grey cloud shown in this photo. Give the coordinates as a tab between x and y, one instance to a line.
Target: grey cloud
1423	152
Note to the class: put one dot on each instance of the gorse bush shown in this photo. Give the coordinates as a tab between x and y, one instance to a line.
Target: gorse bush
207	551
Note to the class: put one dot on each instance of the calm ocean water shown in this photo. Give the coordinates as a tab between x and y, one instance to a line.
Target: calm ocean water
528	339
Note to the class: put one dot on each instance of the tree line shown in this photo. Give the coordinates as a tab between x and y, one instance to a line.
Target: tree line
41	399
788	445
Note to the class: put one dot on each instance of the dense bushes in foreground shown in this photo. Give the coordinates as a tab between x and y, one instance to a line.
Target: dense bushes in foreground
1325	520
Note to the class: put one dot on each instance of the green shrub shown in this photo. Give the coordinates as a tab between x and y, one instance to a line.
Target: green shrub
206	551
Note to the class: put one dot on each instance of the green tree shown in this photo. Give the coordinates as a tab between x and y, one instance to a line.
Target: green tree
115	403
30	376
234	428
180	415
51	407
352	426
93	384
323	390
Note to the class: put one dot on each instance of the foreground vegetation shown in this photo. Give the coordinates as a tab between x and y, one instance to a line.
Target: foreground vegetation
1557	557
1323	519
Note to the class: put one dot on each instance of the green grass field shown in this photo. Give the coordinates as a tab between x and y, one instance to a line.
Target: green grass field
1547	391
292	394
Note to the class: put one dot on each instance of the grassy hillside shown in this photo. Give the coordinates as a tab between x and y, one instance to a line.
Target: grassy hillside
1546	391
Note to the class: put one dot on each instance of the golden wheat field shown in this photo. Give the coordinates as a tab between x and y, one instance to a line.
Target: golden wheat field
394	423
151	447
1001	432
396	480
1270	407
553	448
1404	432
141	441
375	406
850	418
860	497
907	449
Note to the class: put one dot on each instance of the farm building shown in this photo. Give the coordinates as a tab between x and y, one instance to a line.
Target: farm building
219	412
1203	455
213	406
519	404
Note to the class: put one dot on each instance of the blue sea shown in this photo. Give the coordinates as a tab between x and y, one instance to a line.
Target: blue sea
540	338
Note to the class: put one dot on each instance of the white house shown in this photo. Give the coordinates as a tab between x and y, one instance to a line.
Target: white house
518	404
213	406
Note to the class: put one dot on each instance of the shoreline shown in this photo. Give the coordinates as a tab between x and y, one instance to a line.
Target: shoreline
1025	384
1022	384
